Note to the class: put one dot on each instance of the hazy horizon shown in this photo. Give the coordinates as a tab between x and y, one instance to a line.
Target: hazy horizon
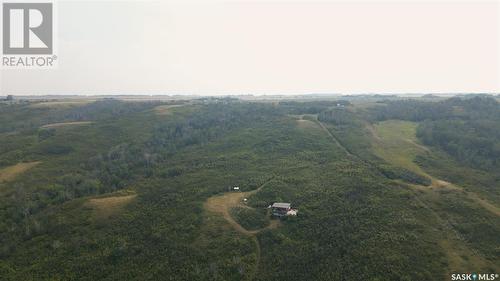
62	95
269	48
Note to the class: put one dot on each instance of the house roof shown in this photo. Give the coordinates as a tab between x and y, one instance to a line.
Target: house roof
281	205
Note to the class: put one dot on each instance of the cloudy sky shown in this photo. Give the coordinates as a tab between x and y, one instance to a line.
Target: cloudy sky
270	47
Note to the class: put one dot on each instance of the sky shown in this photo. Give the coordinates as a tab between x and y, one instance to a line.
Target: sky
269	47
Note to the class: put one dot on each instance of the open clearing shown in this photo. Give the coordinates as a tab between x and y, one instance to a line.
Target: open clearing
307	124
105	207
10	173
64	124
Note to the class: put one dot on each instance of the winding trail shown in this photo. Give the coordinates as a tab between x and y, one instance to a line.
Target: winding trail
222	204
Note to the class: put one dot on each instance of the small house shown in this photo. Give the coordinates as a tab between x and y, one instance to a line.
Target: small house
280	209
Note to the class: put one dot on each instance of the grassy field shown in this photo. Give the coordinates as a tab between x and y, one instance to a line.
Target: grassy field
395	141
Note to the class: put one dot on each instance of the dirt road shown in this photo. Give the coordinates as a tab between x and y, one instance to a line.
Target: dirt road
222	204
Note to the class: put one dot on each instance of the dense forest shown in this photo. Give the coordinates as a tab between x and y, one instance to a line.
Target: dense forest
115	190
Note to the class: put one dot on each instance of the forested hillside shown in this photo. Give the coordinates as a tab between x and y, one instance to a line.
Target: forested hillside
113	190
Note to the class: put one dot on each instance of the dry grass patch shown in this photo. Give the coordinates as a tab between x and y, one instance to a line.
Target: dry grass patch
106	207
10	173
